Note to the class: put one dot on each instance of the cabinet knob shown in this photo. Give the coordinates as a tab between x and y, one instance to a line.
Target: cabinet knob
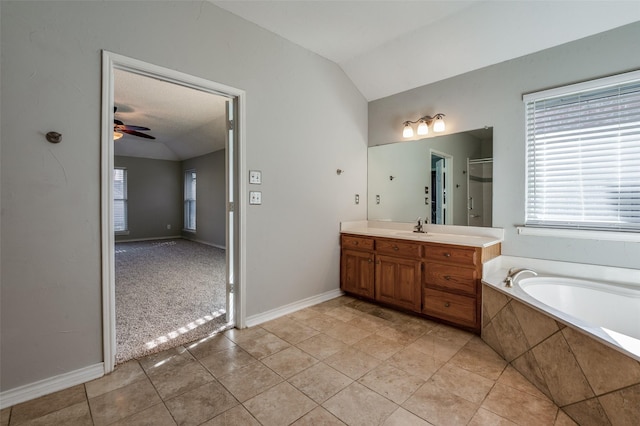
355	243
446	304
395	248
447	254
447	277
370	260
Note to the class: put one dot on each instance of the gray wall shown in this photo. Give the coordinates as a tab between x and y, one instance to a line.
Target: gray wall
210	198
493	96
154	197
51	311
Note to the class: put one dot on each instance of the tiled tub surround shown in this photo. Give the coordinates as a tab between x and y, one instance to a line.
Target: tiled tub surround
569	361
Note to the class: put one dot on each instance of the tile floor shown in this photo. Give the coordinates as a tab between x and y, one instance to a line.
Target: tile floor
340	362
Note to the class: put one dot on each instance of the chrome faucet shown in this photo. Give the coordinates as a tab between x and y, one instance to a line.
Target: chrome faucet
418	227
514	274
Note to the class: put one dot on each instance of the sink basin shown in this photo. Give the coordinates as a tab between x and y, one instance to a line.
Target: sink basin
414	234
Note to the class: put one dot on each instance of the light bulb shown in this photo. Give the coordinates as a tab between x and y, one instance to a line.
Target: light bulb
438	125
408	131
117	135
423	129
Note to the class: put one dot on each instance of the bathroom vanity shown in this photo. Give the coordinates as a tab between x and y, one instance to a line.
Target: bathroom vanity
435	274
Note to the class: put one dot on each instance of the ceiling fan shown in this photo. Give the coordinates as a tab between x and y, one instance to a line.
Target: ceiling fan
119	128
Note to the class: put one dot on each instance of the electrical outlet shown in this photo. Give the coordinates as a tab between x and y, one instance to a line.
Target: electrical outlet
255	197
255	177
357	198
377	199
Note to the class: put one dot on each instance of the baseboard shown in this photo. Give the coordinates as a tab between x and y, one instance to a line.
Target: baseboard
205	243
135	240
254	320
52	384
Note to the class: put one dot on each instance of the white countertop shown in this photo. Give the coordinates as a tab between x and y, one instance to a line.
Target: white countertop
443	234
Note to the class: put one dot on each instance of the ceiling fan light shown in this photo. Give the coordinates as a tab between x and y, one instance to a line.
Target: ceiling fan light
407	132
423	128
117	135
438	125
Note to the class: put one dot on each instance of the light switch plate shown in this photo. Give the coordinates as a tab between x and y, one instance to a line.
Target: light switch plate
255	197
255	177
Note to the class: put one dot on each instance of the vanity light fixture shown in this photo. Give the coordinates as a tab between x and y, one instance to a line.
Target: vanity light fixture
423	125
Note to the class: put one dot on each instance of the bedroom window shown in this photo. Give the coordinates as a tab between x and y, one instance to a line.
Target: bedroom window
583	155
120	224
190	200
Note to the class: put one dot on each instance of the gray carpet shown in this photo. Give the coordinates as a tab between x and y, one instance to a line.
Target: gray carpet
168	292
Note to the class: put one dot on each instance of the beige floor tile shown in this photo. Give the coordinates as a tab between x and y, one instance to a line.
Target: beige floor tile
463	383
437	347
171	357
303	314
479	358
47	404
263	345
236	334
321	346
563	419
320	322
289	362
440	407
318	417
343	313
5	413
320	382
392	383
123	402
378	347
200	404
247	382
590	413
209	346
357	405
124	374
280	405
487	418
290	331
172	380
236	416
74	415
622	406
402	417
158	415
512	378
415	362
347	334
397	334
352	362
227	361
520	407
368	322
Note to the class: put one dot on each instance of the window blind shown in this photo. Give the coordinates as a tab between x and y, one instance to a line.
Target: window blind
583	155
119	199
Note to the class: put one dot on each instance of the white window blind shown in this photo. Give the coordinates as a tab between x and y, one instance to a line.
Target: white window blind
120	199
583	155
190	200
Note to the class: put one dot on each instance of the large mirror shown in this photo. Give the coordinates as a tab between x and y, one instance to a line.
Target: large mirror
446	179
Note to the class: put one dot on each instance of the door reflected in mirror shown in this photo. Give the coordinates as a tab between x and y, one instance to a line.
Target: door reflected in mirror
445	179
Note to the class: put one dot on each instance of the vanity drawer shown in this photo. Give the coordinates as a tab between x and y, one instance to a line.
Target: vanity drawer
451	254
399	248
451	307
451	277
357	243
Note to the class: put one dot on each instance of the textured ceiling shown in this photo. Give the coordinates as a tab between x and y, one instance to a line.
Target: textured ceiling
185	122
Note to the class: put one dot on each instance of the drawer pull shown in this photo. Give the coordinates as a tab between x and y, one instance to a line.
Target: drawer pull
395	248
355	243
446	304
370	260
447	277
447	254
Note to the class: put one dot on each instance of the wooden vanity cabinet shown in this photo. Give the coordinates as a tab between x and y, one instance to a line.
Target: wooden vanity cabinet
398	273
357	266
441	281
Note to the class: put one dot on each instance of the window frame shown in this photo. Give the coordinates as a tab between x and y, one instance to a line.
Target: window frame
125	201
610	230
190	203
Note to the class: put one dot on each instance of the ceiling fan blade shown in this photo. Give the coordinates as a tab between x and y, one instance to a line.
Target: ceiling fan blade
136	133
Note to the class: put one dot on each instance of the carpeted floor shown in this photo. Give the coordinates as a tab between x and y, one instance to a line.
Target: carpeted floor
168	292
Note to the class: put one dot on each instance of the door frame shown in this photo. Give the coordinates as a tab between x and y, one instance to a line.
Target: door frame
448	182
111	61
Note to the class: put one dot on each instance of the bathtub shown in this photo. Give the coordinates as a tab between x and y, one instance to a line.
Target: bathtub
611	313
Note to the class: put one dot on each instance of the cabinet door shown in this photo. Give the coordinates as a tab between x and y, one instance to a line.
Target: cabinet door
398	282
357	272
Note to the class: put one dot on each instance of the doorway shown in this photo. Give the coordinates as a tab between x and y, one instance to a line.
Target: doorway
233	188
441	212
